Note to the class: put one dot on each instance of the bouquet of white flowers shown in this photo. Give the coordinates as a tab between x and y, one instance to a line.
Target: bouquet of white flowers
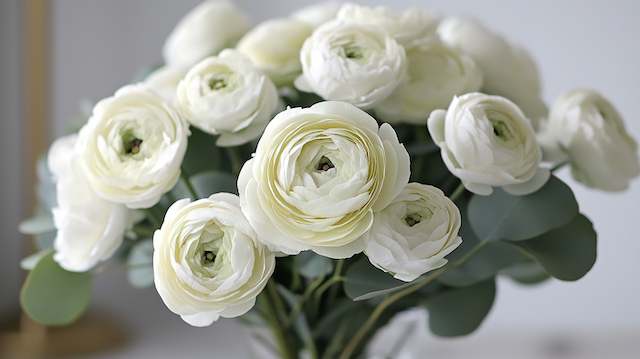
319	173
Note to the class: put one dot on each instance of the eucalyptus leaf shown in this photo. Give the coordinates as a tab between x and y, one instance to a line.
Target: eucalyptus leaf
39	224
203	154
566	253
528	273
46	188
29	262
311	265
364	281
140	264
45	240
460	311
210	182
53	296
504	216
484	264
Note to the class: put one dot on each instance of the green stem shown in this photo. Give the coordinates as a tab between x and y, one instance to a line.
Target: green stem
236	159
337	273
295	275
276	327
457	192
185	179
297	309
558	166
326	285
155	220
380	308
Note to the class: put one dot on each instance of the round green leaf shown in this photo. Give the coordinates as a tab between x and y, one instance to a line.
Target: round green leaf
140	264
484	264
460	311
504	216
364	281
53	296
40	224
311	265
566	253
208	183
203	154
528	273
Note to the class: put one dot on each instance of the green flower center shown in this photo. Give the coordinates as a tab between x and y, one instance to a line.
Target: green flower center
353	52
413	219
208	258
324	164
217	83
501	130
131	144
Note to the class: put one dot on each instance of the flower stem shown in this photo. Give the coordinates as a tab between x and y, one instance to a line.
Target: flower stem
236	159
558	166
380	308
185	178
276	325
457	192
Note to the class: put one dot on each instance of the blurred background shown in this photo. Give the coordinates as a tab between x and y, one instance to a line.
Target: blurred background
56	54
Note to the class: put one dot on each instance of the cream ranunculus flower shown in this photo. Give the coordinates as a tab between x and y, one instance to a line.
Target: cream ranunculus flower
486	141
206	260
317	14
354	63
204	31
436	74
318	176
274	47
411	27
227	95
508	70
414	233
132	147
89	229
585	128
165	80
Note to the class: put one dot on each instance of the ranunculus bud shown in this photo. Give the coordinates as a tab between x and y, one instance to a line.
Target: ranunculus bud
486	141
585	128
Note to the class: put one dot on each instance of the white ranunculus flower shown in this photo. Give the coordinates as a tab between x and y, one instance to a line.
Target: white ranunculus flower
132	147
89	229
206	260
165	82
274	47
414	233
318	14
436	73
354	63
486	141
206	30
318	176
411	27
227	95
508	70
585	127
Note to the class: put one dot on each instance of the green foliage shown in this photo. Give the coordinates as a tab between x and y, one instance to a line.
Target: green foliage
208	183
53	296
528	273
140	264
460	311
311	265
364	281
203	155
566	253
503	216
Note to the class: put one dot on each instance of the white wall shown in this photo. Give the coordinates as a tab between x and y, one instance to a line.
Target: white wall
99	45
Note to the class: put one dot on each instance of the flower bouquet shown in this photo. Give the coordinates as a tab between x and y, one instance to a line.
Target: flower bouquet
317	174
